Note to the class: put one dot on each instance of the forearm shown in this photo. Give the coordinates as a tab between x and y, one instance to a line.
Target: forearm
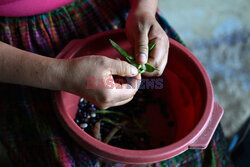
144	5
25	68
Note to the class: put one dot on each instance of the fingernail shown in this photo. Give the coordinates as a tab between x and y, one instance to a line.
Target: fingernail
134	71
143	58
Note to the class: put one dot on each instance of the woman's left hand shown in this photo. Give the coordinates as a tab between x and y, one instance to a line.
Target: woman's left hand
143	29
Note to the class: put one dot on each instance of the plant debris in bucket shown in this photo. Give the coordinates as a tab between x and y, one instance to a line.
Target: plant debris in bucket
122	126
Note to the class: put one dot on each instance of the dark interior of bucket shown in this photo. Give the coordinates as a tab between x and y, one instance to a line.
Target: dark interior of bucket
183	92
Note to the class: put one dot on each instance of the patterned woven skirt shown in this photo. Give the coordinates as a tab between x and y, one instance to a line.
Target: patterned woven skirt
29	129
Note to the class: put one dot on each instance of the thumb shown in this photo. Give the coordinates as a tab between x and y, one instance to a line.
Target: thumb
141	47
122	68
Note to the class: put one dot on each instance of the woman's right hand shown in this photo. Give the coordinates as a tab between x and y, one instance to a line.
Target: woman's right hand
26	68
84	76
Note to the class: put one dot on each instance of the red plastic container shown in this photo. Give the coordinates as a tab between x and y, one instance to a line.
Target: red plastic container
187	91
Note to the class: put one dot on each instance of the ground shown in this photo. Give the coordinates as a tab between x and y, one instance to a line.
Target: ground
218	33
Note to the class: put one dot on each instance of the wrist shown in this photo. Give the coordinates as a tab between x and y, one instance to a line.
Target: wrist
56	74
144	6
71	75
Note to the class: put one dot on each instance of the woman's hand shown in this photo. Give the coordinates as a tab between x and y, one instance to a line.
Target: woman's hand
92	77
74	75
143	29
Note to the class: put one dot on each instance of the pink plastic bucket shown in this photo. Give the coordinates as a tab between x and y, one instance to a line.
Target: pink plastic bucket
187	91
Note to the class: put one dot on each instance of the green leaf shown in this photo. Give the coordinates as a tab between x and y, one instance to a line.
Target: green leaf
123	52
141	68
150	68
110	112
151	46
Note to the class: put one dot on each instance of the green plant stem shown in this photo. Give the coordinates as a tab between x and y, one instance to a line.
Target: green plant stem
141	68
110	112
